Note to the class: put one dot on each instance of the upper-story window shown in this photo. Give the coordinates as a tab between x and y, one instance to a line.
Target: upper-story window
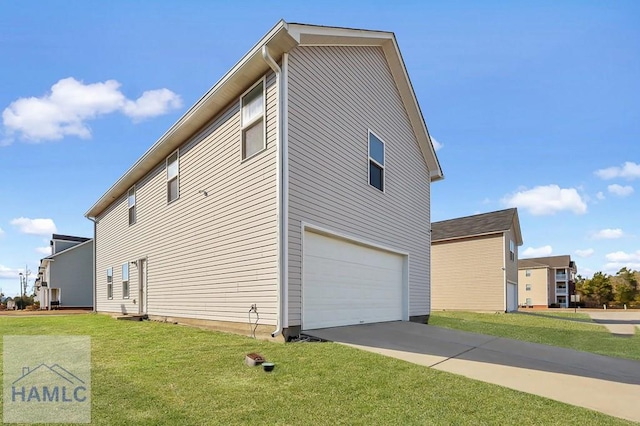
132	205
173	177
512	250
252	120
527	272
376	162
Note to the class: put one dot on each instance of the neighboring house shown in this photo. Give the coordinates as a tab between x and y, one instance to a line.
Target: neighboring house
298	185
474	262
65	278
546	281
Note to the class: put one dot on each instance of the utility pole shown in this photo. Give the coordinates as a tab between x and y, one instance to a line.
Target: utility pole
24	279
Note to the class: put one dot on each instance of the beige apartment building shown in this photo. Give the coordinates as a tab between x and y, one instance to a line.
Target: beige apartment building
546	281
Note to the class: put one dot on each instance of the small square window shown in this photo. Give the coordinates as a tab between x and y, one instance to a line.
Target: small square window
529	302
376	162
132	205
528	287
527	273
173	177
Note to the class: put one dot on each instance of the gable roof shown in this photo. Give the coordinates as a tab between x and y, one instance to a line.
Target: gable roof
562	261
282	38
477	225
68	249
69	238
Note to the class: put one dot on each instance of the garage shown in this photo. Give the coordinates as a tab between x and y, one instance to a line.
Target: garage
346	283
512	297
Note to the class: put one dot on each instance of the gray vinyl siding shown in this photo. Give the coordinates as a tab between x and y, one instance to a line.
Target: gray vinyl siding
511	267
72	272
208	257
335	95
60	245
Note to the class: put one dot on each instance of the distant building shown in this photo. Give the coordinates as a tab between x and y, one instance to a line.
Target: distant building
65	278
474	262
546	281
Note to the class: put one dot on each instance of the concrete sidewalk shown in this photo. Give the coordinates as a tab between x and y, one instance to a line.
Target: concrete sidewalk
605	384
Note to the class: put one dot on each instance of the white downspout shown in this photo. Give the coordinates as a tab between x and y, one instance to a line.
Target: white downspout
280	197
95	299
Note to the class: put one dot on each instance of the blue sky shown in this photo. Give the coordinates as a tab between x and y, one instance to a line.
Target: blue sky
534	104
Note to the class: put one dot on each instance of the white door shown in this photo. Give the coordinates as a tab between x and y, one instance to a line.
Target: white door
512	297
345	283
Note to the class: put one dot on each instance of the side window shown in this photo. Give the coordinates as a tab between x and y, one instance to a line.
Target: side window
512	250
132	205
376	162
125	280
527	287
527	273
173	177
109	283
252	121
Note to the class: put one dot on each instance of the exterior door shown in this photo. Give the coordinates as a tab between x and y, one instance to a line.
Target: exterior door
346	283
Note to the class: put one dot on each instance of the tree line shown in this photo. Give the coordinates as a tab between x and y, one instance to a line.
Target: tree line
612	290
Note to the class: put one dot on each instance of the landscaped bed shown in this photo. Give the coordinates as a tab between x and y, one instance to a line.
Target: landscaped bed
156	373
564	329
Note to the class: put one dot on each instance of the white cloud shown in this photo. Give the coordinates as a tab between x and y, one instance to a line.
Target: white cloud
619	190
585	253
600	196
35	226
152	103
608	234
547	200
628	170
8	273
71	103
436	145
621	256
537	251
44	250
1	231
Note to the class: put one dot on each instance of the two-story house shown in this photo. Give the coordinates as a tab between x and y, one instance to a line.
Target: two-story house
298	187
65	278
474	262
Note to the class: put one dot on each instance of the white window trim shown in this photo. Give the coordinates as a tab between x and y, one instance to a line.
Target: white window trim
166	175
128	281
244	125
383	166
135	202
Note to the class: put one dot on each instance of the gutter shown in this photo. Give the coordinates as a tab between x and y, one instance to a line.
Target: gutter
93	289
281	211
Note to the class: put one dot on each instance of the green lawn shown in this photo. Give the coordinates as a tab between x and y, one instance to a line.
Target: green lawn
153	373
569	330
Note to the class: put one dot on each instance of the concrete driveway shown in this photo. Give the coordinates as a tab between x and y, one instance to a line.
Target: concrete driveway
609	385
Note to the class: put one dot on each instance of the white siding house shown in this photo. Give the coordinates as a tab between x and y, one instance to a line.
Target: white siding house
299	184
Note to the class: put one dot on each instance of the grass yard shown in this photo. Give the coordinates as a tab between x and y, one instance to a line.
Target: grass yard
153	373
564	329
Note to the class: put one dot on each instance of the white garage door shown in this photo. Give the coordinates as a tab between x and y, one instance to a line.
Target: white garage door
512	297
346	284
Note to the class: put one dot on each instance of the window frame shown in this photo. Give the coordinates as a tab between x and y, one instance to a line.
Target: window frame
375	162
527	287
135	210
109	283
245	126
125	283
176	178
512	250
527	272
